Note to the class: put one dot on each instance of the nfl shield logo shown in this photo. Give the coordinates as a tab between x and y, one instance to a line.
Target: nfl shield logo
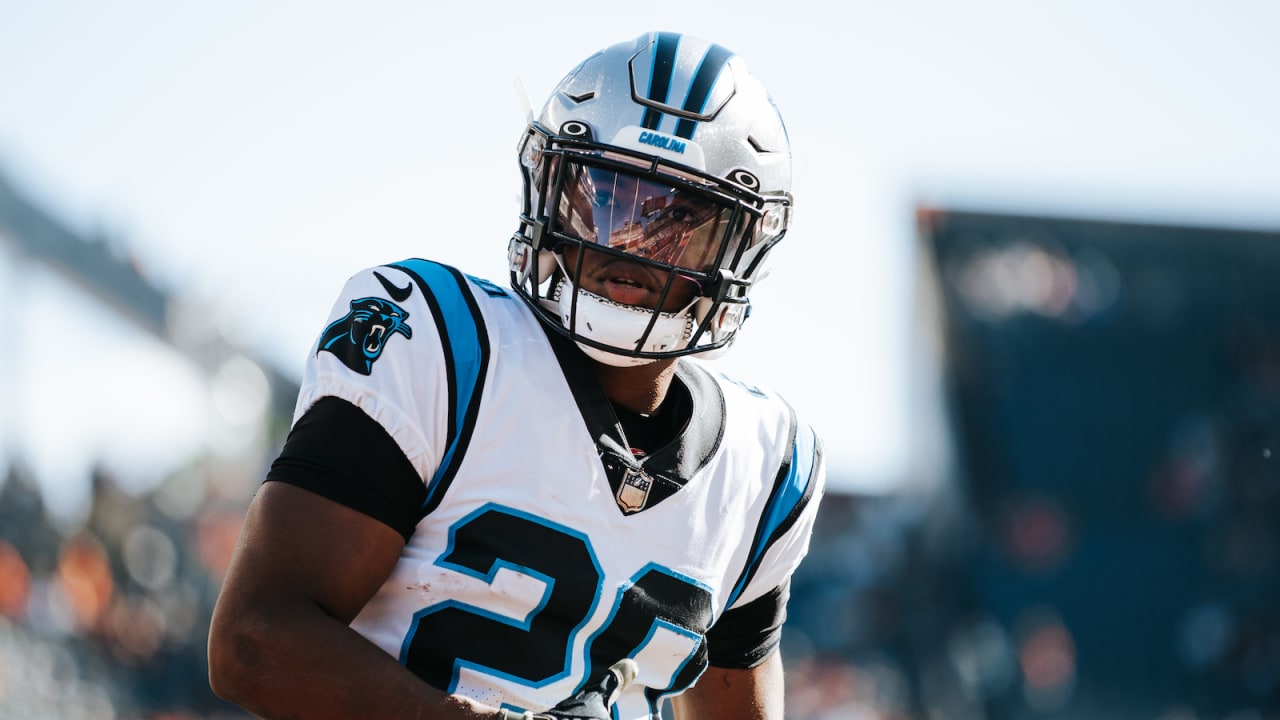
633	493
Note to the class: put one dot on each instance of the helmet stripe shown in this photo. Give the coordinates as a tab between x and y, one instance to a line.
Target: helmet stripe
664	64
705	79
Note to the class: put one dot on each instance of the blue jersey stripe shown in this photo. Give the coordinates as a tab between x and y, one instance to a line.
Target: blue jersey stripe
703	80
791	493
465	340
664	64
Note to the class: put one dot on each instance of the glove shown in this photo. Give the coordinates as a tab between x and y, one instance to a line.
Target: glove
593	702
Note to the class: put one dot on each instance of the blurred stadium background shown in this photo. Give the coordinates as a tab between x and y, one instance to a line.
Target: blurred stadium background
1086	524
1104	543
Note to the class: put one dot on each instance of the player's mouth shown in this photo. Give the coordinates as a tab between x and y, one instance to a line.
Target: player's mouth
627	283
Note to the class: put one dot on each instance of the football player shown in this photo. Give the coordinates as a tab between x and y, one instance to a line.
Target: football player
538	500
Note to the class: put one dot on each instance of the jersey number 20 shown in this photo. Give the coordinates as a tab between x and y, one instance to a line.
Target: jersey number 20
448	636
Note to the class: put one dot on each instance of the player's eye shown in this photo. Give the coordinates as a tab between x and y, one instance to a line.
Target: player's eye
684	215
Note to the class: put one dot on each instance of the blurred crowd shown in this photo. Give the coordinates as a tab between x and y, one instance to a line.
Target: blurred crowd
901	611
109	620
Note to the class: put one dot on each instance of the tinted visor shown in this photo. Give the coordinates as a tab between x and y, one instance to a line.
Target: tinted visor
646	218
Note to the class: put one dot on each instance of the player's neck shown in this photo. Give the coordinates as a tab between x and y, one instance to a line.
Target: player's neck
641	388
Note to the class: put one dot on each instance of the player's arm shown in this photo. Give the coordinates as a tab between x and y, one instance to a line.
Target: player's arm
754	693
318	542
280	645
744	678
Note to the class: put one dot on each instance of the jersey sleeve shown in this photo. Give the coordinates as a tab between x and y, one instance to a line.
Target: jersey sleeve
380	352
406	346
751	625
337	451
745	635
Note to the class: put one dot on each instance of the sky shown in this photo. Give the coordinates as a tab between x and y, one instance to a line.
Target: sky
252	155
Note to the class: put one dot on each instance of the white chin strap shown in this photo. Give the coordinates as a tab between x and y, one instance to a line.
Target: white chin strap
620	326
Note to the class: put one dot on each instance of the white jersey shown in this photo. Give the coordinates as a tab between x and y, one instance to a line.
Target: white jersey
544	549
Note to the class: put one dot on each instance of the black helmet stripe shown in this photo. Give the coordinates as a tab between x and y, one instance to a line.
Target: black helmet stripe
664	64
712	63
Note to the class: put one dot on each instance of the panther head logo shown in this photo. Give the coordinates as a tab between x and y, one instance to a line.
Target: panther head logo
358	338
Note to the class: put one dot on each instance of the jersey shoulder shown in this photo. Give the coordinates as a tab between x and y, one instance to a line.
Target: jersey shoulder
742	397
410	298
400	337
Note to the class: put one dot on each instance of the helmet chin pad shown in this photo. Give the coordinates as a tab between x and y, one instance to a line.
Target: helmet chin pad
619	327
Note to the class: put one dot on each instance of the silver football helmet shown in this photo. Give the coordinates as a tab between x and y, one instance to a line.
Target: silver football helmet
656	181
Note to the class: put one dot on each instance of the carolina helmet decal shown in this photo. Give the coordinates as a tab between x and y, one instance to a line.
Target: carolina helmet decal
359	337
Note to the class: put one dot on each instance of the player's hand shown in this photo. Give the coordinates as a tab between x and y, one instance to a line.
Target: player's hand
594	702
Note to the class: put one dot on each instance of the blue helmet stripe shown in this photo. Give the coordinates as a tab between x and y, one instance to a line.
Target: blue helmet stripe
664	64
703	80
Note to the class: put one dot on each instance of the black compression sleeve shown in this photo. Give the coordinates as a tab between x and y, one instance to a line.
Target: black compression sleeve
337	451
744	636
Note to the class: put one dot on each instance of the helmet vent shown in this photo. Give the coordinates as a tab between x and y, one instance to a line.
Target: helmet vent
581	98
756	144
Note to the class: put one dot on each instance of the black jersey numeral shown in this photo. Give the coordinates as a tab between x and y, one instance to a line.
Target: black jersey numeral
537	650
658	599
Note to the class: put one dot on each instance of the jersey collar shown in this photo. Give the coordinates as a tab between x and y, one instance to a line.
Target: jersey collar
641	483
